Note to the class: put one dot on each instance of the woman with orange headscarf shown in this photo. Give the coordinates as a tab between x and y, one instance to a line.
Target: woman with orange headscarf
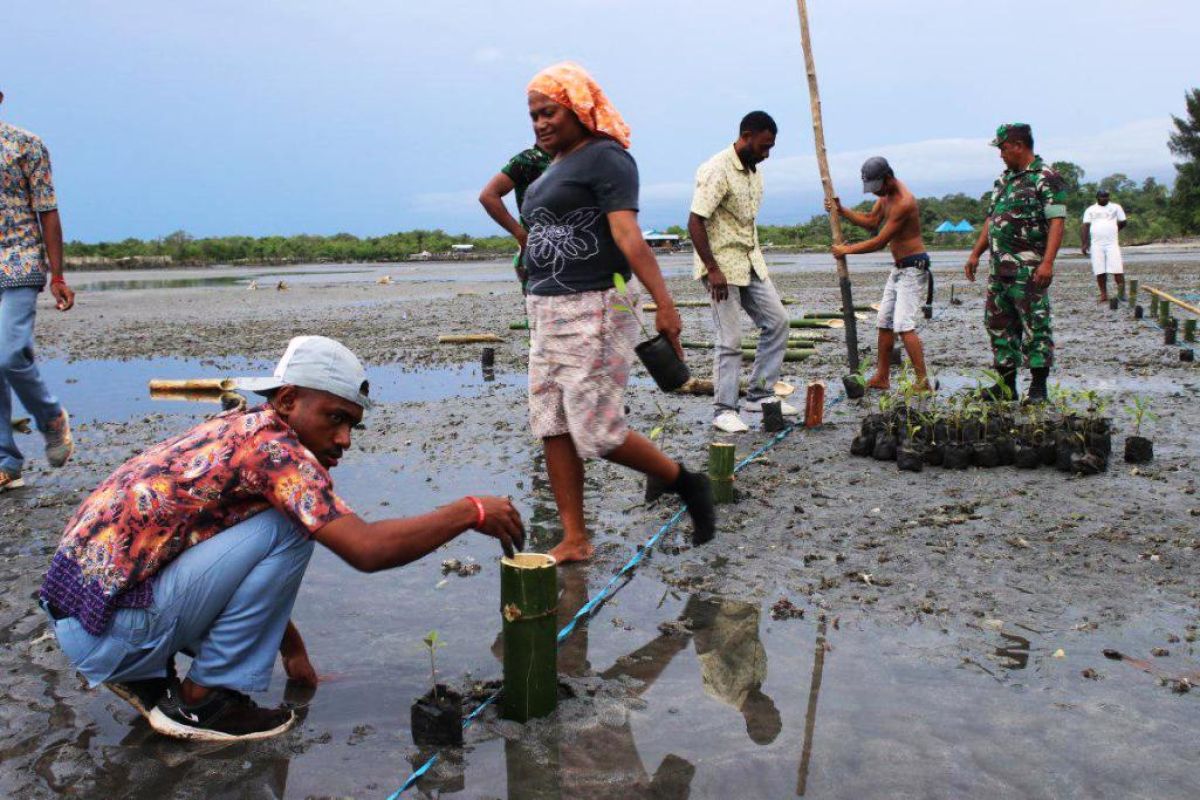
583	229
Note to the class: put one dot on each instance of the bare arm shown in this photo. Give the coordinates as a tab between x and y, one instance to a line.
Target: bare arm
869	220
52	236
718	287
879	240
628	236
1085	237
492	200
981	246
388	543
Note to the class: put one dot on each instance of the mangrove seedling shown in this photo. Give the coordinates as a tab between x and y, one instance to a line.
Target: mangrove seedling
433	642
1139	411
623	290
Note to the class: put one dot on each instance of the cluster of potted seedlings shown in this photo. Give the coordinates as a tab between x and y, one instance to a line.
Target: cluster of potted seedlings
1070	432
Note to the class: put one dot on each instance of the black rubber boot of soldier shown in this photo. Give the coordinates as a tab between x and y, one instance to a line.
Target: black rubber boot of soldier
1037	386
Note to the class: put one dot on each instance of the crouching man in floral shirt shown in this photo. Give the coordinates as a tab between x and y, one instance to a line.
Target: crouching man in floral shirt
199	545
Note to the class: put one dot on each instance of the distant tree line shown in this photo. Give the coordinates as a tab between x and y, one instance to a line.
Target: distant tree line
1155	213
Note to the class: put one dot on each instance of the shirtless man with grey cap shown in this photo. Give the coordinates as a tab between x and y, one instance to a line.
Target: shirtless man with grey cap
897	222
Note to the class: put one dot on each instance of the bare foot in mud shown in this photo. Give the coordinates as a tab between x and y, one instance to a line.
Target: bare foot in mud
569	550
923	387
879	384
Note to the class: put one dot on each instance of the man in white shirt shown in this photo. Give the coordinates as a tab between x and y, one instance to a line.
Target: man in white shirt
1101	223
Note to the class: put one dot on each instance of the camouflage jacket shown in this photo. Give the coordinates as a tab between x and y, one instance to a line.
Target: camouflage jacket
523	169
1019	214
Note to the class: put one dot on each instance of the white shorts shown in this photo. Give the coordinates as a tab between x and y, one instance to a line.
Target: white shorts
1106	259
903	297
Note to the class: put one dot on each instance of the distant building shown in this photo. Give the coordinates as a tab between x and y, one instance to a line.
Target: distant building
424	255
661	241
461	248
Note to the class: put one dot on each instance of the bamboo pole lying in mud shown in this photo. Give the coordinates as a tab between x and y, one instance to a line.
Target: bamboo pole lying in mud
788	355
193	385
528	604
197	396
787	301
469	338
748	344
1161	295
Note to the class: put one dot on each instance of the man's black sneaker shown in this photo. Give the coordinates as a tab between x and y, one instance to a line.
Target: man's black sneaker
142	695
224	715
695	490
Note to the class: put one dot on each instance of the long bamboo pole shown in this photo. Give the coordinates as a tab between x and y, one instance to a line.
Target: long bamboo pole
1161	295
835	222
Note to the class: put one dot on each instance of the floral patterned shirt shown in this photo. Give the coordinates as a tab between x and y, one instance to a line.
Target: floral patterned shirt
26	189
175	495
727	196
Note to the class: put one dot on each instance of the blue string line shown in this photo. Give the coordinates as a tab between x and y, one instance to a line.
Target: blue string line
592	606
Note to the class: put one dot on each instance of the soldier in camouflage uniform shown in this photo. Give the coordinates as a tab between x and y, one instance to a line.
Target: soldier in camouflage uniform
1024	229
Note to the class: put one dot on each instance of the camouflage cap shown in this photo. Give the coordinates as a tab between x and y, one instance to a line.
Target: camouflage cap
1002	133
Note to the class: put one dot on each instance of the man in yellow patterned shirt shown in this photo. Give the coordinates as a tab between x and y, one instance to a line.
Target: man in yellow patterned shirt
728	260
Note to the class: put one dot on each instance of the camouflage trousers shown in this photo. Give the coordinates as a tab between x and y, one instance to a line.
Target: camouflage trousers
1017	318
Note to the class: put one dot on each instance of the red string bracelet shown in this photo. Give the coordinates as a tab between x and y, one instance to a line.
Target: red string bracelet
58	280
481	515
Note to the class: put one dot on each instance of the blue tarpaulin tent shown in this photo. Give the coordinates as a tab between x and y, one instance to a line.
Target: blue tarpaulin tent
963	227
945	227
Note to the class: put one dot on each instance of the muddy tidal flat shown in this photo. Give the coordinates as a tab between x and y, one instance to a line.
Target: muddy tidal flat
947	629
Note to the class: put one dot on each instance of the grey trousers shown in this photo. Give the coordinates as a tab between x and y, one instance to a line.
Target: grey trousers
762	304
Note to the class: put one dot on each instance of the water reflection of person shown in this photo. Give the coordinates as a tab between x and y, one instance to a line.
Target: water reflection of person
733	661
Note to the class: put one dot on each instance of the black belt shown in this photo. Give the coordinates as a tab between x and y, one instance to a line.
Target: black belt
54	611
921	261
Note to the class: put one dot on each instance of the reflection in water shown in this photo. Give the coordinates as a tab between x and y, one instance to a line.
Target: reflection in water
733	661
1015	655
810	717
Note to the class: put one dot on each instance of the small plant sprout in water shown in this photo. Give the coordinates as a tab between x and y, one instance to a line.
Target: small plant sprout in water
433	642
623	290
1139	411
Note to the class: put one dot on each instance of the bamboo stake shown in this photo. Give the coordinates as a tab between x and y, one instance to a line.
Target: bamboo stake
1159	294
528	601
810	716
1133	289
720	471
193	385
788	355
835	222
1189	330
469	338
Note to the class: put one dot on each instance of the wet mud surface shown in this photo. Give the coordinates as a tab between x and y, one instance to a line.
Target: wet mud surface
953	627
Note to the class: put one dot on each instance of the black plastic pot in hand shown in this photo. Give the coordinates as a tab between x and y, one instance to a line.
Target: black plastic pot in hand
437	718
854	388
885	448
863	444
663	363
910	458
957	456
1027	457
1138	450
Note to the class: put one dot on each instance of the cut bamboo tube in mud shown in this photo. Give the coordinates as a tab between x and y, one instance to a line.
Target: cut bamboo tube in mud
193	385
226	399
1133	290
519	325
469	338
528	604
788	355
1189	330
1160	295
721	459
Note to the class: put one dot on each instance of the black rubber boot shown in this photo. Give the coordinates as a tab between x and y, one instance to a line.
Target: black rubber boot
1037	386
695	490
996	393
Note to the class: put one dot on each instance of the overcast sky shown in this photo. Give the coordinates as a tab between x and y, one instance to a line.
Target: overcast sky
370	116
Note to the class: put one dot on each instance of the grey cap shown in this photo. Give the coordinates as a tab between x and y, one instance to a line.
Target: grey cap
874	171
317	362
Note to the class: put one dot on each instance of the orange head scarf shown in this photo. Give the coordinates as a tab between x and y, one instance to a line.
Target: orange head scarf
572	87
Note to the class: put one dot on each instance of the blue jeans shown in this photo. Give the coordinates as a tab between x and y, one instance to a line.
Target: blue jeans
18	373
226	601
762	303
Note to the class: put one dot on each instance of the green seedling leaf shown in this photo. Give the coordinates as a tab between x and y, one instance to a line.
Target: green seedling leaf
624	308
619	282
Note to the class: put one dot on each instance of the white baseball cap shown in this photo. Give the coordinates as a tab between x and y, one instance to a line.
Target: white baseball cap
317	362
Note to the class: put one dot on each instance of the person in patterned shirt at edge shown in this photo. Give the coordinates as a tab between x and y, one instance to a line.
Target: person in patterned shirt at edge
1024	230
521	170
583	230
728	260
31	244
199	545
